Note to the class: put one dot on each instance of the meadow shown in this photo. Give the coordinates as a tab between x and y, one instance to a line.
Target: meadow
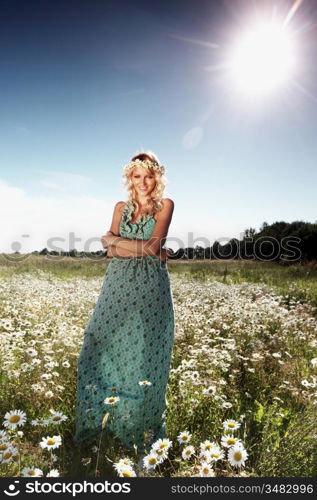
242	393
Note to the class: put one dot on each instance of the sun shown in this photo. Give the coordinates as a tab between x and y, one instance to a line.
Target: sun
262	59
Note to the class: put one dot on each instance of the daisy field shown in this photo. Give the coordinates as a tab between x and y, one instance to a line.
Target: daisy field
242	392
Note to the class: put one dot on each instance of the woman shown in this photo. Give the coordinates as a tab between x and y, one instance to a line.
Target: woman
124	362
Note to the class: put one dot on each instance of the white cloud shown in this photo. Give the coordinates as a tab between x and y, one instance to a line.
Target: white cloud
46	217
29	222
64	181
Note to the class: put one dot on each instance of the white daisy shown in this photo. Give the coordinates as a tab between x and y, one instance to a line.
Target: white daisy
145	382
40	421
4	445
51	442
49	394
216	453
111	400
151	460
14	418
207	445
8	454
123	462
231	425
16	455
210	391
127	471
226	405
305	383
206	470
31	472
184	437
161	453
160	444
237	456
187	452
31	352
229	440
53	473
57	417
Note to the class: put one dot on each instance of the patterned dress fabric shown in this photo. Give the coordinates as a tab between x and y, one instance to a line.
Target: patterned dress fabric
129	339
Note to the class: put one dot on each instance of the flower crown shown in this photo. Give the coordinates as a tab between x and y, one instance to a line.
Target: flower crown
145	164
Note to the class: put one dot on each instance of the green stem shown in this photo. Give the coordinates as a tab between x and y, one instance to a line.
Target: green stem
97	461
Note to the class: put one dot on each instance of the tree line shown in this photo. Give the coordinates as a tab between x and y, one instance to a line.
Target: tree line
281	241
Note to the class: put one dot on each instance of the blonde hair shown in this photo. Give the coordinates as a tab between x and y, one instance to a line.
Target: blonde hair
154	203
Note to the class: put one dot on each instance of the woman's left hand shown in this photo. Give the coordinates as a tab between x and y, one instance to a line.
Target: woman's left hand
107	238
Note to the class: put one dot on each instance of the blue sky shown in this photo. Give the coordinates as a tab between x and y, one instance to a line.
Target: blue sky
85	85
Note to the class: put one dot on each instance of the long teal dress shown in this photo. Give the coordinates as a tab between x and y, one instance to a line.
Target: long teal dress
129	339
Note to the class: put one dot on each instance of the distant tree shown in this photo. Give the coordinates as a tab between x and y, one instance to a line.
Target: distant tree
199	252
248	233
264	226
189	252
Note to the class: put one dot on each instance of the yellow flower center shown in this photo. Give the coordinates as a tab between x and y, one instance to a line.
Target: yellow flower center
51	441
3	446
231	441
231	425
127	473
112	400
14	419
237	456
215	455
208	447
31	473
7	455
152	460
188	452
205	470
56	418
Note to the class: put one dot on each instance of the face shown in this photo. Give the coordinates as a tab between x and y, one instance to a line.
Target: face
143	181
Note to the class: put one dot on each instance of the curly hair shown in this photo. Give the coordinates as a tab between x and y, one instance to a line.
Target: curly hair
154	203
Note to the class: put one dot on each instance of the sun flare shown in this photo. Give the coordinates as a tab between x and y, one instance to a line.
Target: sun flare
263	59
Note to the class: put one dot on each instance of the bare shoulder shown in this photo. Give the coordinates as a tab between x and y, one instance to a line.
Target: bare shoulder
166	210
119	206
168	203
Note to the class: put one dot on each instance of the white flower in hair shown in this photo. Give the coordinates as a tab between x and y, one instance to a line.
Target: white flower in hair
144	164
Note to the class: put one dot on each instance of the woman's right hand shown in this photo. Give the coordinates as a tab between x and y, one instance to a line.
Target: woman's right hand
163	255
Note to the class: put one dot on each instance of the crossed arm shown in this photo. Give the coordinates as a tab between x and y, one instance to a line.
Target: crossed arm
124	247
